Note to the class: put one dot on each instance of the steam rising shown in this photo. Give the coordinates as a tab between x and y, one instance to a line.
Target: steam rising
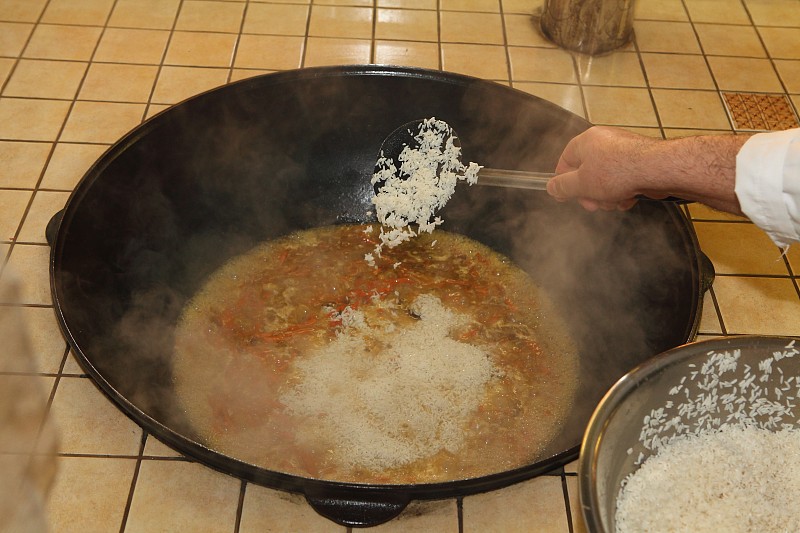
282	156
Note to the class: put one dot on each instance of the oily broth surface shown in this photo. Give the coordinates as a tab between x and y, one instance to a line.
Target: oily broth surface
242	340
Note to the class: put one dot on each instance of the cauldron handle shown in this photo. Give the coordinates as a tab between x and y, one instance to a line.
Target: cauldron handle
360	511
51	230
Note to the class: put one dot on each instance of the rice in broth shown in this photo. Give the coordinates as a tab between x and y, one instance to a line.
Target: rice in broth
445	362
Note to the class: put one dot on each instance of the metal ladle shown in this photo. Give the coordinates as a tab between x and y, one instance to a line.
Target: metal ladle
405	135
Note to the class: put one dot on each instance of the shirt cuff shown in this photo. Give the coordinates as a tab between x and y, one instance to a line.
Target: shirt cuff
767	184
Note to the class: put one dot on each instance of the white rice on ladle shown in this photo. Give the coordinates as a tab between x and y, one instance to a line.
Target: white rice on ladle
411	194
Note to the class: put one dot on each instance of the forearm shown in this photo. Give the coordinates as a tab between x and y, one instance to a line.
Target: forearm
607	168
699	168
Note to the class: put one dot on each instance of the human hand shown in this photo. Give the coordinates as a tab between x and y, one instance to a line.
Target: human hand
602	168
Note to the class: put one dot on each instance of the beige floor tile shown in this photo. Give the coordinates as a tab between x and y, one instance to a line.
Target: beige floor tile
349	22
621	69
182	496
714	11
204	15
774	12
407	53
745	74
677	71
36	78
563	95
197	49
670	10
709	320
408	4
276	19
132	46
62	42
150	14
69	163
793	255
691	109
45	204
535	505
736	248
406	24
440	516
42	355
34	261
673	37
541	64
526	7
72	367
155	448
474	28
22	10
155	109
22	163
728	40
33	392
768	306
269	52
482	61
31	120
6	64
101	122
578	523
90	423
619	106
12	206
87	12
571	468
480	6
44	337
343	3
13	36
267	509
89	494
781	43
703	212
324	51
178	83
118	83
240	74
789	72
524	30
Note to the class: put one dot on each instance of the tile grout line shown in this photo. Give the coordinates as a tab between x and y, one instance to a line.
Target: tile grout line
237	42
306	35
506	48
162	61
240	506
766	50
567	506
731	123
134	479
659	122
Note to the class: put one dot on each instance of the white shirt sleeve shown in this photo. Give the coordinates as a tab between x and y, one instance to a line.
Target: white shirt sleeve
768	183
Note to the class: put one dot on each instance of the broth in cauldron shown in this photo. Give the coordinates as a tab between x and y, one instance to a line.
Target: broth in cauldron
443	361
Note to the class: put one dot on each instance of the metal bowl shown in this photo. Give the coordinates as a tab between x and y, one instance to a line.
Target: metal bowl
614	444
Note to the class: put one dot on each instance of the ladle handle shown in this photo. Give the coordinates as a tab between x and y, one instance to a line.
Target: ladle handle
524	179
519	179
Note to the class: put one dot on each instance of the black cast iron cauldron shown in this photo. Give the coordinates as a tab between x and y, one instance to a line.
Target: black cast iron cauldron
209	178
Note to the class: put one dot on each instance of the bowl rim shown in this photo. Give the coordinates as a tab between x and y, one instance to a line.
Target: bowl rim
613	400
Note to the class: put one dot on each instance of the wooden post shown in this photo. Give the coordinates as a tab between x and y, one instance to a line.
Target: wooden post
588	26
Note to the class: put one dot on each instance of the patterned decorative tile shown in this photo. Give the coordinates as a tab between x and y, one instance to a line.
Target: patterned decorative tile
760	112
